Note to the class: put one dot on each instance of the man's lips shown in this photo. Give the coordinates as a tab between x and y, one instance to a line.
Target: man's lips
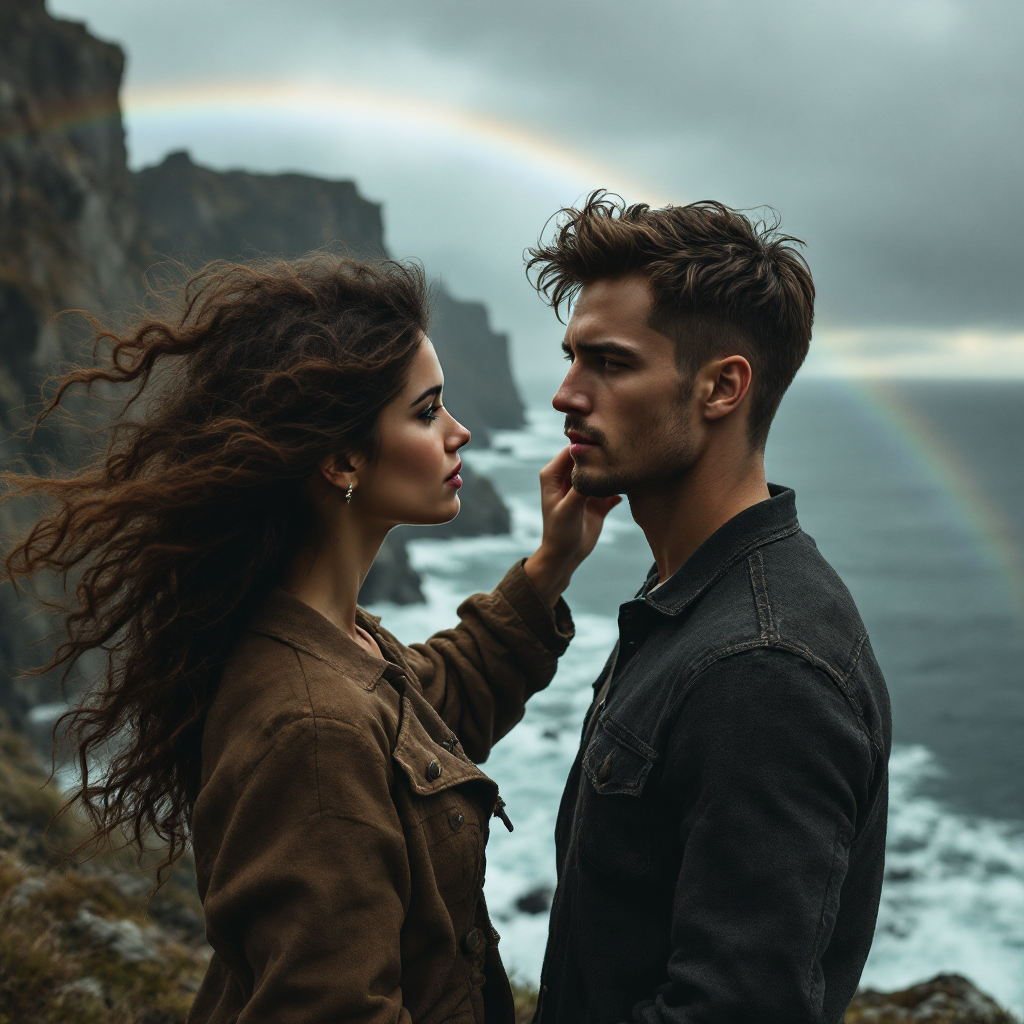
453	479
579	444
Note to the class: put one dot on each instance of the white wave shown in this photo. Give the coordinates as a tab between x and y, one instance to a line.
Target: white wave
953	898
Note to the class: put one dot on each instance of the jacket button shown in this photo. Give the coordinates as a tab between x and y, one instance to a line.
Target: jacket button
456	820
433	771
448	745
473	940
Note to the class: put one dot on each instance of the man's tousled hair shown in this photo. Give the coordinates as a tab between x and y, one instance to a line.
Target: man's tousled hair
722	283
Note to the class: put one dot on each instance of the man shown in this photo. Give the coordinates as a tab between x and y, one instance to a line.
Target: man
721	838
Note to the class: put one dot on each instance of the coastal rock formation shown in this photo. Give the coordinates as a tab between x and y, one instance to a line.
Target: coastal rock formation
85	941
194	214
69	239
79	231
946	999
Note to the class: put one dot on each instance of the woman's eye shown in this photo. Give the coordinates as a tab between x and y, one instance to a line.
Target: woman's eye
430	413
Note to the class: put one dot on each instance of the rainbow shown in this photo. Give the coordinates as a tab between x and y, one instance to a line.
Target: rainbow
983	521
481	136
389	114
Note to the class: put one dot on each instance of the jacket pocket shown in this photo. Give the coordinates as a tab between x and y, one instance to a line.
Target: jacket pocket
444	803
611	823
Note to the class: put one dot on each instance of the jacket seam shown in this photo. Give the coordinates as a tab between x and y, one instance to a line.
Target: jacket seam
293	720
316	734
762	600
307	649
719	654
726	566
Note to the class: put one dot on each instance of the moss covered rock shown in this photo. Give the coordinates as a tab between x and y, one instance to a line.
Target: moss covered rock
89	941
946	999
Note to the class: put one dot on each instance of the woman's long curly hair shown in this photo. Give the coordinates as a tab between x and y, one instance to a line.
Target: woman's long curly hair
174	533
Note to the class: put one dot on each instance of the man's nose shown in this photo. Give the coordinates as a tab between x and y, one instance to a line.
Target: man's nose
570	398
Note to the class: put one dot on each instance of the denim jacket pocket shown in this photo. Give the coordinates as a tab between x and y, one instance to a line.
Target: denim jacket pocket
612	828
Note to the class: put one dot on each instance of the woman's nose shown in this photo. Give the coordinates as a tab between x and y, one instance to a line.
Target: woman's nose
459	436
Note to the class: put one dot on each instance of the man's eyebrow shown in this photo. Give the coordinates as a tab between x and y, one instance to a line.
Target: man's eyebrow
435	391
601	348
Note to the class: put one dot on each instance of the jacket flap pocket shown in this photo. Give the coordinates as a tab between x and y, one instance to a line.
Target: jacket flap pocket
616	762
429	766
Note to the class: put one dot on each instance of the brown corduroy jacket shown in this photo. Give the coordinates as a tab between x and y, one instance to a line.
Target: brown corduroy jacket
339	833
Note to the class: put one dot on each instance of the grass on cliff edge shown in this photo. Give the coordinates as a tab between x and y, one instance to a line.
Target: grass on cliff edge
85	944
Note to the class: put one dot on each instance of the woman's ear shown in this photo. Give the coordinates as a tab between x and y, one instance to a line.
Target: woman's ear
338	471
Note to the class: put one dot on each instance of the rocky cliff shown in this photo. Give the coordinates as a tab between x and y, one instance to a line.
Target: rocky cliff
85	942
69	238
79	231
194	214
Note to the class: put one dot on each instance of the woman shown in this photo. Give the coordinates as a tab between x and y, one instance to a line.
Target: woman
324	774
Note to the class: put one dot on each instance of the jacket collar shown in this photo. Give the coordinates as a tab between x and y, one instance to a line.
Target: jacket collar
752	528
285	618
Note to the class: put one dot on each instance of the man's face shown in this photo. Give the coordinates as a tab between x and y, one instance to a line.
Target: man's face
626	403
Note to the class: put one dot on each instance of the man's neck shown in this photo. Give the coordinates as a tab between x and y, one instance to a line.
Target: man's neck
678	516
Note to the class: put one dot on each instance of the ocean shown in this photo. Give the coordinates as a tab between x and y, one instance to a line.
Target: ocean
914	492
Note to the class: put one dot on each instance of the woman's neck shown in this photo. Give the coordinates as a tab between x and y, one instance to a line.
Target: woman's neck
327	574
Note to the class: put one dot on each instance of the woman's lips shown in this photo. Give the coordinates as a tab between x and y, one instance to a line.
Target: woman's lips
453	479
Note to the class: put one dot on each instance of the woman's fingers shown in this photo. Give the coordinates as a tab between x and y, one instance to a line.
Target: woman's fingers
557	474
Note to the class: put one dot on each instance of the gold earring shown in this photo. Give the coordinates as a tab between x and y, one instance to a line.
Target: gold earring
348	493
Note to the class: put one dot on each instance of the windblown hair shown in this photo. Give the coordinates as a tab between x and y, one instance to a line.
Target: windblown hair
176	532
722	284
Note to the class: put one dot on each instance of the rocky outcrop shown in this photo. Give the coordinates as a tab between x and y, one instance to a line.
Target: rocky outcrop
78	231
69	239
946	999
194	214
69	229
90	941
198	214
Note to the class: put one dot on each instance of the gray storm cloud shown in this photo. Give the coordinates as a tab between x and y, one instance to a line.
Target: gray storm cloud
889	134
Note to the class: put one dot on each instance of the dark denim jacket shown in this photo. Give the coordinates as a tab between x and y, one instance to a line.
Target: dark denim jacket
721	838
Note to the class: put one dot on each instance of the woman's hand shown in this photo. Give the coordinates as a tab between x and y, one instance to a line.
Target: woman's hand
572	524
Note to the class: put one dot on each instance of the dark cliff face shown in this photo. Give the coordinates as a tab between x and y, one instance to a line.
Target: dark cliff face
197	214
75	235
69	233
69	238
202	214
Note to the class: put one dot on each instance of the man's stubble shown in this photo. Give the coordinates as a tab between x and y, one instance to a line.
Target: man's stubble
657	454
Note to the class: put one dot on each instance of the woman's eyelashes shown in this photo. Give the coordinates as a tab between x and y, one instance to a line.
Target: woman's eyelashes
431	411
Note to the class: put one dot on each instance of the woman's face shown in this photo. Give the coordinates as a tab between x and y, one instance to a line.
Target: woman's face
415	477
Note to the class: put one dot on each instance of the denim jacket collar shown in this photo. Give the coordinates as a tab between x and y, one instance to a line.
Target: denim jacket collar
752	528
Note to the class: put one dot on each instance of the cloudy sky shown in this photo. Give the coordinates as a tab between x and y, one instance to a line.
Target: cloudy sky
889	134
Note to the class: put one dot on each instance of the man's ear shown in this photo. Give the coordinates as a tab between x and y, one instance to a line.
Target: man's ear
727	381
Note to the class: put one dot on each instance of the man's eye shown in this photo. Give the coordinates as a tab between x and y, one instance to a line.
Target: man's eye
567	356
